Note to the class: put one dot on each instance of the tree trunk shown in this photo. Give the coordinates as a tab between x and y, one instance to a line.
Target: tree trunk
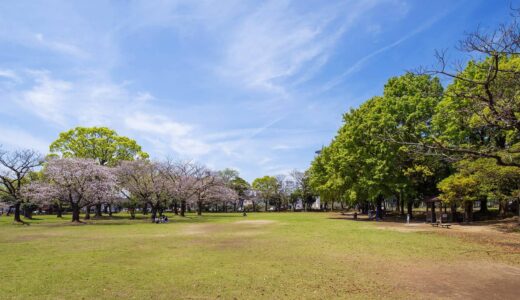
199	208
75	212
409	207
453	208
254	206
468	211
132	213
176	208
183	208
397	202
483	206
235	206
98	210
379	210
17	212
518	209
110	210
154	214
266	205
106	209
434	214
145	209
87	213
502	209
332	206
59	211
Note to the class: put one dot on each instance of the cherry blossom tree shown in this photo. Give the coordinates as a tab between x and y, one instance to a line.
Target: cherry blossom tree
143	180
220	193
184	182
15	168
78	182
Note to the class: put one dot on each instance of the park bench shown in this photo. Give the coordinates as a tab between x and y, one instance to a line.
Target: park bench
444	225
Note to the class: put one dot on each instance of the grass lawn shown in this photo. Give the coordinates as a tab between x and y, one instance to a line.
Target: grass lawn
263	255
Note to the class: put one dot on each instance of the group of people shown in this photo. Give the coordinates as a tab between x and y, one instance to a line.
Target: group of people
161	219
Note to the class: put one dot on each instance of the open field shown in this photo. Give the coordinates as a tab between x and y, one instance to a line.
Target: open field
263	255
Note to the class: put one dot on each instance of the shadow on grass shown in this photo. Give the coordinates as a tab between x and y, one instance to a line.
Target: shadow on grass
389	217
125	219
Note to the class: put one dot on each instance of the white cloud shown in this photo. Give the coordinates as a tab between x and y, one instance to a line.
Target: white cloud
9	74
15	138
61	47
174	134
46	97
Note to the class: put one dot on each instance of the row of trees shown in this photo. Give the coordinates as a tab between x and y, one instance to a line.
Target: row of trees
91	168
84	183
419	139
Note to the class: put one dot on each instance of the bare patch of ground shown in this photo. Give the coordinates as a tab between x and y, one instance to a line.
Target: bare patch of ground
201	229
468	280
489	234
32	237
255	222
242	228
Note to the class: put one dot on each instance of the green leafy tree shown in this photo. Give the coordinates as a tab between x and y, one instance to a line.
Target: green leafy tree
232	180
268	187
99	143
367	162
460	189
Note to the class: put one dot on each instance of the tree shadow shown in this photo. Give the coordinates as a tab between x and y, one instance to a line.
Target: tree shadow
389	217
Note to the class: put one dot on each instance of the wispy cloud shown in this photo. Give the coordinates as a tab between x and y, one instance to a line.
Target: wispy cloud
68	49
9	74
227	82
365	59
277	42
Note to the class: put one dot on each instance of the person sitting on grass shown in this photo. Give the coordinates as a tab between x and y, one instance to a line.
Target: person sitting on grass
165	219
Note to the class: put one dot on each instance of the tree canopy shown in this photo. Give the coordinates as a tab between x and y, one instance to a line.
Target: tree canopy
99	143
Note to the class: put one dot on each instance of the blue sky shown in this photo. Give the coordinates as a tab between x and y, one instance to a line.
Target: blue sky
253	85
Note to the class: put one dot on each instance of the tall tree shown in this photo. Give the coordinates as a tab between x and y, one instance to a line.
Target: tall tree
99	143
268	187
303	188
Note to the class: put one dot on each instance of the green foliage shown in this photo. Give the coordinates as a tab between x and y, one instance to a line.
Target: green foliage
240	185
459	187
479	115
267	185
365	161
234	181
99	143
481	179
